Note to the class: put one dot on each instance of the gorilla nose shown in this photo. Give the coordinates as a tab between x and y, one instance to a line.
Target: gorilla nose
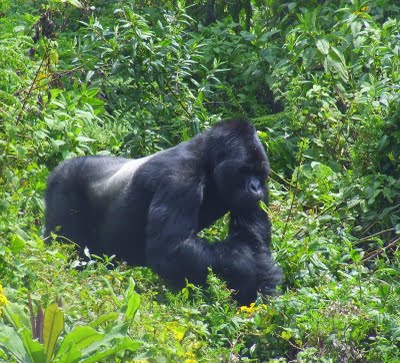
255	188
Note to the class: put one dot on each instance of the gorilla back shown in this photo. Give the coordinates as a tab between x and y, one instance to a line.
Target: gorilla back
148	211
86	204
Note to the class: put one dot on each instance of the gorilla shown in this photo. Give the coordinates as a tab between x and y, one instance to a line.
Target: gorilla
149	211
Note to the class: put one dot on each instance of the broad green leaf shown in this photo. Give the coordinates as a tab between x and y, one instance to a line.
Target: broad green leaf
355	28
12	343
323	46
56	144
337	62
71	355
112	293
247	36
318	263
21	322
268	55
32	347
308	57
17	316
52	327
339	55
133	305
104	318
333	62
113	348
74	342
266	35
132	299
116	332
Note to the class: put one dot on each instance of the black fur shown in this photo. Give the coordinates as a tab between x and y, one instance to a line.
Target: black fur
148	211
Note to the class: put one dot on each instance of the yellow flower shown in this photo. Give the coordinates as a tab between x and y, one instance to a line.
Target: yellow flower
191	358
248	309
362	11
3	299
177	330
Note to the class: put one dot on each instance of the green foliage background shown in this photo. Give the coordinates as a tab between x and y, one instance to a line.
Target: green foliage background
319	79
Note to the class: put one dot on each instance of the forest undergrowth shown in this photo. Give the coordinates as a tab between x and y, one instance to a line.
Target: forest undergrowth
320	81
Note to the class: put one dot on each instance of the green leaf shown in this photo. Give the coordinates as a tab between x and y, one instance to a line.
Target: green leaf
104	318
356	256
53	326
74	342
12	343
17	244
71	355
308	57
323	46
268	34
117	332
17	317
32	347
56	144
133	300
339	55
83	139
113	348
263	206
384	290
21	322
286	335
333	62
247	36
75	3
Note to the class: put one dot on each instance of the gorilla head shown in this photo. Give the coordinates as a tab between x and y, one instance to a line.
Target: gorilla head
148	211
241	167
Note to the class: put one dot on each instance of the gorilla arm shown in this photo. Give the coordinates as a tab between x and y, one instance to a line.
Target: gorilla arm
254	228
175	252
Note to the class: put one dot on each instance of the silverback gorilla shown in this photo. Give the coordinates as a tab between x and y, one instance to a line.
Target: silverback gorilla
148	211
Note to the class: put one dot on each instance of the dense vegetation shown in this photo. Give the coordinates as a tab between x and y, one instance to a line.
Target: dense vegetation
319	79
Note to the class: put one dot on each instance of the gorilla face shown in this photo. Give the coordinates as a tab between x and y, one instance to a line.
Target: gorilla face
241	181
239	186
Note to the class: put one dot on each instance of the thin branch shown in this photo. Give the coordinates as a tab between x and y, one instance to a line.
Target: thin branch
45	57
367	238
177	98
294	192
375	253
